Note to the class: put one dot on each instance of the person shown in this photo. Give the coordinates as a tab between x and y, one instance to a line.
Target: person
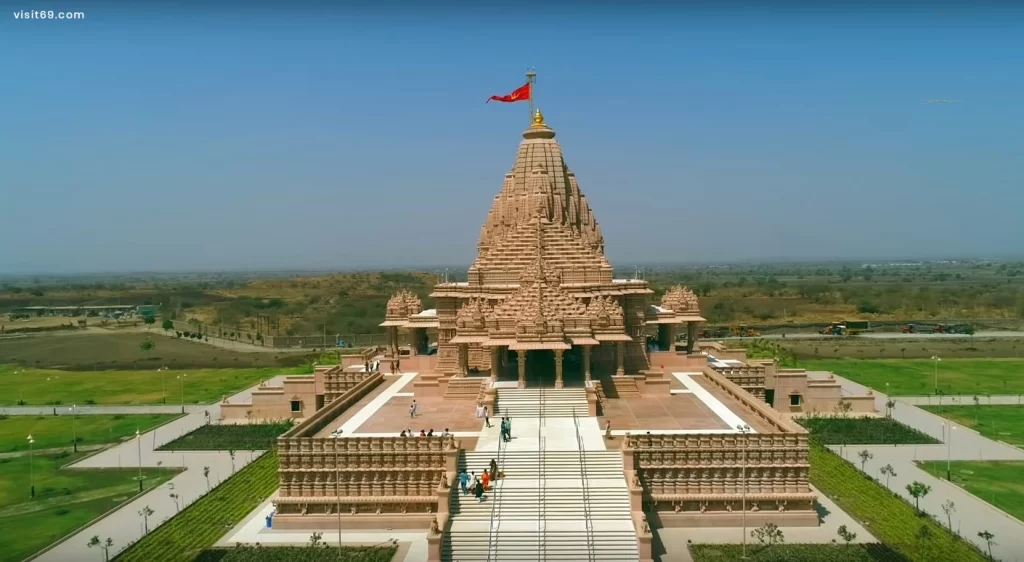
423	433
608	429
464	481
404	434
430	433
485	478
494	469
412	408
487	417
398	365
478	491
446	433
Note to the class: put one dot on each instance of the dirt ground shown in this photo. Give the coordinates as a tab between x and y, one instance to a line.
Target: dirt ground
104	350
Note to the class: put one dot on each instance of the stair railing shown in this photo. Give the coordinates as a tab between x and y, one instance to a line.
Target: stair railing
492	531
586	488
541	484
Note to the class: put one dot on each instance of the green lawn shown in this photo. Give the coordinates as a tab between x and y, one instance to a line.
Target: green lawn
186	535
998	483
835	430
49	386
794	553
1005	423
325	553
917	376
890	519
249	437
66	499
56	431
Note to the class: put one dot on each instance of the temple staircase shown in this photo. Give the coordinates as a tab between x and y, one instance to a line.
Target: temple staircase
527	403
538	510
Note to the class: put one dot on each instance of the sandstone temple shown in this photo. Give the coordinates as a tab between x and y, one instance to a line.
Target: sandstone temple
622	422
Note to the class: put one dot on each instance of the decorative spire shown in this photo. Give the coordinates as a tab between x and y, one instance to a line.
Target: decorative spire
538	120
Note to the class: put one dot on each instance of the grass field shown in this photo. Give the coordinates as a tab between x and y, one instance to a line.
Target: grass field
324	553
890	519
247	437
1003	423
56	431
917	348
48	386
863	431
65	499
998	483
119	350
917	376
795	553
199	525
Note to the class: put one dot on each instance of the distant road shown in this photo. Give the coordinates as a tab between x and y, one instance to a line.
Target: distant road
885	336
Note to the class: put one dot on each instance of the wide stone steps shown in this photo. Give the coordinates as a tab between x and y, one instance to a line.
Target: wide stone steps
556	464
533	403
550	545
558	503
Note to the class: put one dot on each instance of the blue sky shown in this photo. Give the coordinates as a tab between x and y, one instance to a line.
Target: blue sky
169	138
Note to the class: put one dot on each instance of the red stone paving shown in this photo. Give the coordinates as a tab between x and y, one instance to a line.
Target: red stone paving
433	413
351	411
678	411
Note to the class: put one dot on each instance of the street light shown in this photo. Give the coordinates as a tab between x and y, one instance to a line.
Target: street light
31	468
74	437
181	378
936	359
949	449
138	439
744	429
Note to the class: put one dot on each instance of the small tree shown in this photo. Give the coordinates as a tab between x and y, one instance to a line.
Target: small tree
315	538
969	330
843	408
231	453
865	456
949	507
924	533
918	490
887	471
175	497
890	405
977	404
147	345
987	537
206	474
149	320
103	546
768	534
168	325
145	513
846	535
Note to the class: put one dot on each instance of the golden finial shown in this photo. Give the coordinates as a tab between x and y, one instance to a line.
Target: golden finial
538	120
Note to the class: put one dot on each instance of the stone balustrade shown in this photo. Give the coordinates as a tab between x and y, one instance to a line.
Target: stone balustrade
338	382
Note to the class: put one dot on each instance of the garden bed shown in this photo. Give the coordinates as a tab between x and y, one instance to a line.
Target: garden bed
247	437
796	553
838	430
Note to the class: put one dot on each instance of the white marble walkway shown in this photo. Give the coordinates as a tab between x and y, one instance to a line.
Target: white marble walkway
714	404
362	416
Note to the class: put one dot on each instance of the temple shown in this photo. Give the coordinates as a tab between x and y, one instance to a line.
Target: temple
622	422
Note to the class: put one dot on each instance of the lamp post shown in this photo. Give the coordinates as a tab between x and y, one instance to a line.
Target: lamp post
31	468
181	378
744	429
138	440
936	359
949	450
163	383
337	492
74	436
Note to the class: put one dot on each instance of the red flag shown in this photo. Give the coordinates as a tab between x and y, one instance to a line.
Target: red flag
521	94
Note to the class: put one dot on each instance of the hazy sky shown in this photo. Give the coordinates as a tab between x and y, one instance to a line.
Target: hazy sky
297	136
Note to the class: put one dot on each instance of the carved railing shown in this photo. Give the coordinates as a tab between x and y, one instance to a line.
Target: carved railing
329	413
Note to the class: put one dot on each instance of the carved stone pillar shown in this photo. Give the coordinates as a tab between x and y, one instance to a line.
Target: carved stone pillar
463	359
672	337
620	358
558	369
586	363
691	336
521	355
495	359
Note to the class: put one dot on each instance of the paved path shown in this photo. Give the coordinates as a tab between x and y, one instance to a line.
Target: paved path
972	514
125	525
961	400
64	410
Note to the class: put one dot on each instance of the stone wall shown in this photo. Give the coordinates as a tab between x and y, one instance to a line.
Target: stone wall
698	480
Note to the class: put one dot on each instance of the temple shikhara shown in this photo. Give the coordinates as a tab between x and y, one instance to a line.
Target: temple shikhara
622	423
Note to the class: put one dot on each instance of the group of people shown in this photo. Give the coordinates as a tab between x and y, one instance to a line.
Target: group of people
506	429
396	366
424	433
371	366
469	482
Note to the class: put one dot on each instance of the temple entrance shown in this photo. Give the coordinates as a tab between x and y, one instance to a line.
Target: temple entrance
540	368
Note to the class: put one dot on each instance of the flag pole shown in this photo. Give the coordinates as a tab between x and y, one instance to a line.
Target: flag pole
531	77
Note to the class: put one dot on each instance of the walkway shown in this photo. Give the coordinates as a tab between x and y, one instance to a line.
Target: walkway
125	525
65	410
961	400
972	514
